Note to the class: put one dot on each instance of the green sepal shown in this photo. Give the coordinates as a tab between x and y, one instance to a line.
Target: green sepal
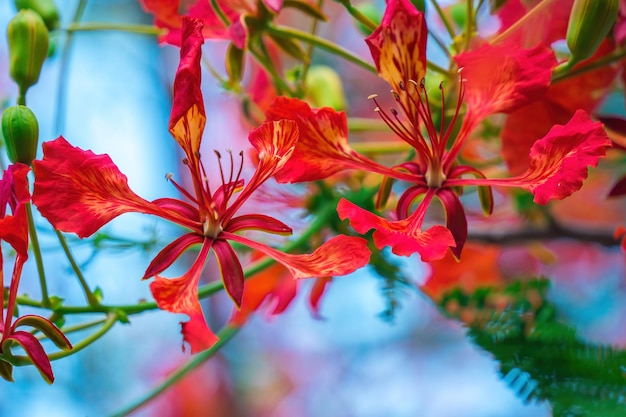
20	130
235	65
384	192
98	295
28	40
6	371
589	23
46	327
307	8
485	196
291	47
47	9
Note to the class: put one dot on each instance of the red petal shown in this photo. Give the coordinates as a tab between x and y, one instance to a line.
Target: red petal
170	253
541	28
275	142
34	350
404	236
455	219
230	269
319	288
322	148
274	286
180	295
340	255
502	78
257	222
79	191
398	45
559	161
188	116
14	193
45	326
167	15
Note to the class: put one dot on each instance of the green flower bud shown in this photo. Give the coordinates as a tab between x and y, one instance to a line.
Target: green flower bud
589	23
20	130
44	8
28	41
324	87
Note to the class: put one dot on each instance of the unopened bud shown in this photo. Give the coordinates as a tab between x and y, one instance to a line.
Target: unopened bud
20	130
44	8
28	41
324	87
589	23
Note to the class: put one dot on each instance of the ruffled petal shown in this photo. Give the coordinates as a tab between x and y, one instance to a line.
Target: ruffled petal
180	295
188	118
230	269
322	148
79	191
340	255
559	161
14	194
502	78
398	45
403	236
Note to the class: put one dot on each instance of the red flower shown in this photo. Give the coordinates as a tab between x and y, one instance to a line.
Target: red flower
14	230
493	79
78	191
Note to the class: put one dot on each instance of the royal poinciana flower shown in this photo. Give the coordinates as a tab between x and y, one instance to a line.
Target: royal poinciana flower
493	79
79	191
14	230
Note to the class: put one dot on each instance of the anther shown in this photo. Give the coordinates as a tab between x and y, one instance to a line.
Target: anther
402	86
394	112
169	176
372	96
422	83
396	96
185	161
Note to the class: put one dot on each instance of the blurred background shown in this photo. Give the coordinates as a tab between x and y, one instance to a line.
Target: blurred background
110	92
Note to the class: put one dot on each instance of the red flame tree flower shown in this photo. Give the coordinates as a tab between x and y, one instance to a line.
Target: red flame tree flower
79	191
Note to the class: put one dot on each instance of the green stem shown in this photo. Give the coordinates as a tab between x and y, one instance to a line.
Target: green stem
263	58
108	324
469	24
368	23
561	72
446	23
367	124
436	68
62	84
322	43
91	299
224	336
103	26
204	291
34	241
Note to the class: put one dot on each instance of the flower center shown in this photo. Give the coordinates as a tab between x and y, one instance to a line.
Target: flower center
212	228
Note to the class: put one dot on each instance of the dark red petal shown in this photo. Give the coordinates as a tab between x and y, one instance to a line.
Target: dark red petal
187	118
340	255
619	188
14	194
398	45
34	350
403	236
503	78
257	222
322	148
230	268
79	191
180	295
170	253
455	219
